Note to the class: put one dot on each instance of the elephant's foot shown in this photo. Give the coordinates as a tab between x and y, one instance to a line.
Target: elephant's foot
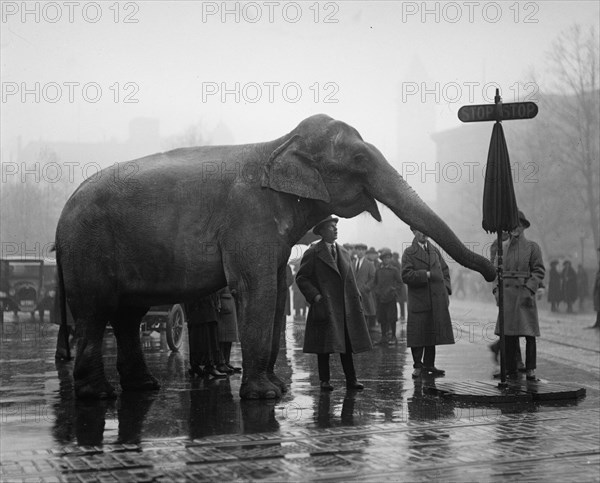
277	381
94	390
259	387
146	382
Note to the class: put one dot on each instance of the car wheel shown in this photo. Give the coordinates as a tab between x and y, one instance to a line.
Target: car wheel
174	329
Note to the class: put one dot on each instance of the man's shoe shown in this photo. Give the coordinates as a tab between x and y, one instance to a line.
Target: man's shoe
382	342
234	368
196	370
434	371
224	368
213	371
513	376
521	367
530	374
416	373
357	386
325	386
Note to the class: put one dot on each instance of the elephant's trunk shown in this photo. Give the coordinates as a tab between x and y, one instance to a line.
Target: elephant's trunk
388	187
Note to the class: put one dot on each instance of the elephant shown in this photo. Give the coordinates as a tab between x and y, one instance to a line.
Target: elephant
174	226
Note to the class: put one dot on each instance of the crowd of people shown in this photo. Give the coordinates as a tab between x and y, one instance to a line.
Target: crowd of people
346	291
567	286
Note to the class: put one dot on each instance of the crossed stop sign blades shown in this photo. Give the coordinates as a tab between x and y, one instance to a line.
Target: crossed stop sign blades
488	112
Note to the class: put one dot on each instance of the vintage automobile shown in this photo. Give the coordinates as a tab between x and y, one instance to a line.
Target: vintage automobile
170	318
27	285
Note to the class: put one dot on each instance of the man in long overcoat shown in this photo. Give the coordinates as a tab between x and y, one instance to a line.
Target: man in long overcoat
427	277
596	295
523	274
364	273
554	289
335	321
568	278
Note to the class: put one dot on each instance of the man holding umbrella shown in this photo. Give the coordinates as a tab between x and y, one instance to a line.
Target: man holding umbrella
523	274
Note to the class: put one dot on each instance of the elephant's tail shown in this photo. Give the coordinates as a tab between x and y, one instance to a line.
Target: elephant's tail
61	300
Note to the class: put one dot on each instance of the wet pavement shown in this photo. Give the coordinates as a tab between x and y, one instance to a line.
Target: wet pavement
199	430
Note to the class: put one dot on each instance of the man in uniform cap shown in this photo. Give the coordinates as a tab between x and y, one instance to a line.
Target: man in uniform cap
335	321
523	275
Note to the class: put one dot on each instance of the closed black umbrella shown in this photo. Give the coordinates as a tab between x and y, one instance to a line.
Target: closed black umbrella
500	212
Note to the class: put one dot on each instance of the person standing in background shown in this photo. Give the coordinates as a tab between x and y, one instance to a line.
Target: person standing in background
401	292
583	287
596	295
385	288
569	285
554	290
364	273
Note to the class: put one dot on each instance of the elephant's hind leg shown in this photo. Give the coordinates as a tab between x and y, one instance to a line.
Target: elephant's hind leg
88	373
131	364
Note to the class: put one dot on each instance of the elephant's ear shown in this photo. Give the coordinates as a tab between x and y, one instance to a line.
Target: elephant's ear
289	170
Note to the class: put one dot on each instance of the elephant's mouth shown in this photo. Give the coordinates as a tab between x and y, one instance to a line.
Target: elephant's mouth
362	202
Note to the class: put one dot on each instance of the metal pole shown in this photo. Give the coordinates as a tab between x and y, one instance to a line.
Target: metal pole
501	312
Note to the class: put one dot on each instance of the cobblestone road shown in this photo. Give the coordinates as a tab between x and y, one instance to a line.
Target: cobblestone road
392	431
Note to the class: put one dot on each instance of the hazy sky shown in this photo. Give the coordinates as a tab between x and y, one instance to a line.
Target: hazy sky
397	71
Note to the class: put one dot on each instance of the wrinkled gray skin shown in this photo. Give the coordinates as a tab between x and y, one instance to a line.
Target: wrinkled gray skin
171	227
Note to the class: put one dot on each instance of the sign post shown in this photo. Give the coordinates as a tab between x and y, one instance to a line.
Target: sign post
499	202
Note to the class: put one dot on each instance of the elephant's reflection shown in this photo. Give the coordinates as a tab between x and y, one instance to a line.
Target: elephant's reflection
133	408
84	420
259	416
81	420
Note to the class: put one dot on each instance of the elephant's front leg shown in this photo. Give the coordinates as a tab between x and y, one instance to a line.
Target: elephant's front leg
257	294
278	326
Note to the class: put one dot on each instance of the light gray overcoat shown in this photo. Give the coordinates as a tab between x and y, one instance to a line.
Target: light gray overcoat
523	257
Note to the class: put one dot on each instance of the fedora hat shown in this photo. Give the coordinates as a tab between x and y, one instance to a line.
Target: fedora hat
523	220
317	228
372	251
385	252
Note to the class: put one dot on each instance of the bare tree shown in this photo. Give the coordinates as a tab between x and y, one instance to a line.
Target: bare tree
573	63
193	135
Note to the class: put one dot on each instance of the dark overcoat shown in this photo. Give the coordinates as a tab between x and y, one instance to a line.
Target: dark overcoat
554	289
597	292
569	284
228	327
364	281
340	306
428	321
523	257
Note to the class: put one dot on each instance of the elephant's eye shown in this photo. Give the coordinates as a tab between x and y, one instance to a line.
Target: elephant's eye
360	158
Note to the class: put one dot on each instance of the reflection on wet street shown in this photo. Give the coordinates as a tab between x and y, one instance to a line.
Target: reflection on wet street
39	411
